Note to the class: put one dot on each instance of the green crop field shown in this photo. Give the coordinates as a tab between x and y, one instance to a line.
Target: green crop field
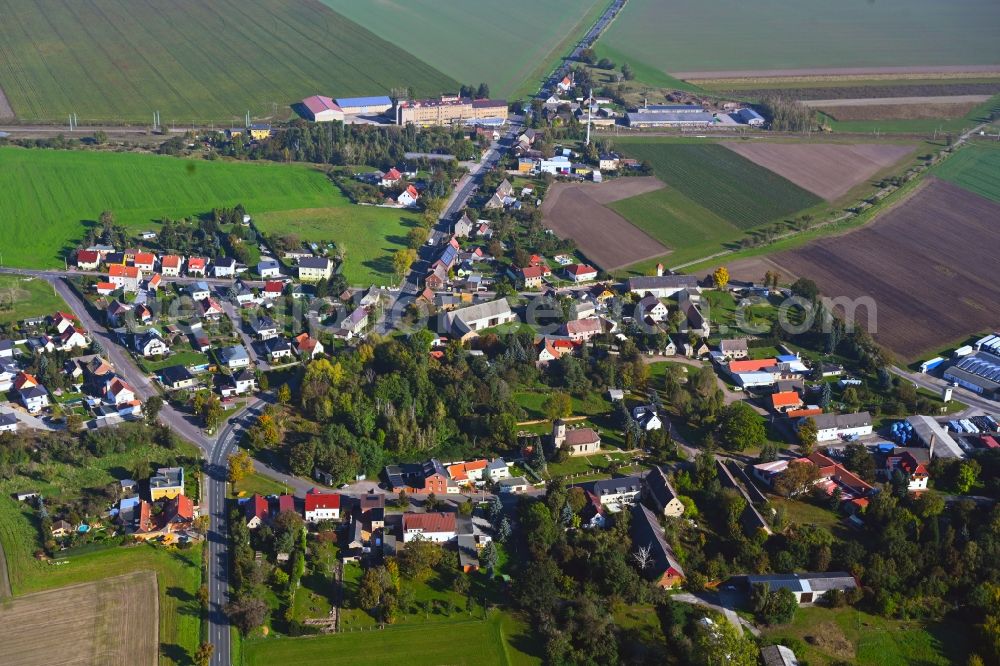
510	46
730	186
50	197
713	35
118	60
476	642
368	235
688	229
976	168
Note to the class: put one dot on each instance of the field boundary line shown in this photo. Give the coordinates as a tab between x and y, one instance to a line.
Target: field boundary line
6	591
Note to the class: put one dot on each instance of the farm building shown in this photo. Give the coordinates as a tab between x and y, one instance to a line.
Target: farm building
647	534
662	286
321	109
807	587
748	117
698	118
978	372
477	317
833	426
364	105
930	434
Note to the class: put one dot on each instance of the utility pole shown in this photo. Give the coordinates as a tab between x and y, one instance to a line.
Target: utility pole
590	108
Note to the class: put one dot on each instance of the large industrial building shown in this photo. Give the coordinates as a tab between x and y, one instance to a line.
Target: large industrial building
366	106
978	372
321	109
449	110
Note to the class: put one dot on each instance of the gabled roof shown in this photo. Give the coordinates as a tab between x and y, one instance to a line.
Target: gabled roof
145	258
392	174
751	365
580	269
316	499
624	484
118	270
87	256
429	522
257	507
659	486
319	103
785	399
646	532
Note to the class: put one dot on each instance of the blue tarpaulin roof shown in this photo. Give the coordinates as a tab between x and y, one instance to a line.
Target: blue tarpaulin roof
362	101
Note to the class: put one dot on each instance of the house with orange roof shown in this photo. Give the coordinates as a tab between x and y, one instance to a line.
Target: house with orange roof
145	261
118	391
467	473
785	401
391	177
196	266
105	288
24	380
63	321
171	264
308	347
408	197
127	278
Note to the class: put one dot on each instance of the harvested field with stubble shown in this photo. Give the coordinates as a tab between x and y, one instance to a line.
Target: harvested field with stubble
927	263
827	170
111	622
577	211
898	111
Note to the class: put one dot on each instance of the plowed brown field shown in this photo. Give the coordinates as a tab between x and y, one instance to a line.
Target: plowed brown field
929	264
112	621
577	211
827	170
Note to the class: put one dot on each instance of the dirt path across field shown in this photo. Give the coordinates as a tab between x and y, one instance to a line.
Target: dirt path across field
6	111
837	71
876	101
578	211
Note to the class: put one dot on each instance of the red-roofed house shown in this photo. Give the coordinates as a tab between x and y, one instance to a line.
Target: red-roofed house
286	503
909	465
256	511
196	266
408	197
273	289
532	277
118	392
468	472
125	277
308	347
171	264
391	177
63	321
802	413
322	506
581	273
72	338
833	475
24	381
88	260
105	288
786	401
178	513
437	526
145	261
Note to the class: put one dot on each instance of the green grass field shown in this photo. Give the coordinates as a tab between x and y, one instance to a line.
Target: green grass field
733	188
120	60
688	229
928	126
27	297
848	635
511	47
499	641
48	203
713	35
368	234
976	168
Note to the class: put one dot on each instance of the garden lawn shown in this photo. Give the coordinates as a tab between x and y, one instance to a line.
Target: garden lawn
369	235
499	640
259	484
689	229
481	41
848	635
195	62
52	196
185	358
714	177
975	168
23	297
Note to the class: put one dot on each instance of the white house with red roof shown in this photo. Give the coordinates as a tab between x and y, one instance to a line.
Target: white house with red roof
408	197
273	289
88	260
171	264
105	288
73	338
126	278
391	177
321	506
196	266
63	321
581	273
145	261
118	391
437	526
